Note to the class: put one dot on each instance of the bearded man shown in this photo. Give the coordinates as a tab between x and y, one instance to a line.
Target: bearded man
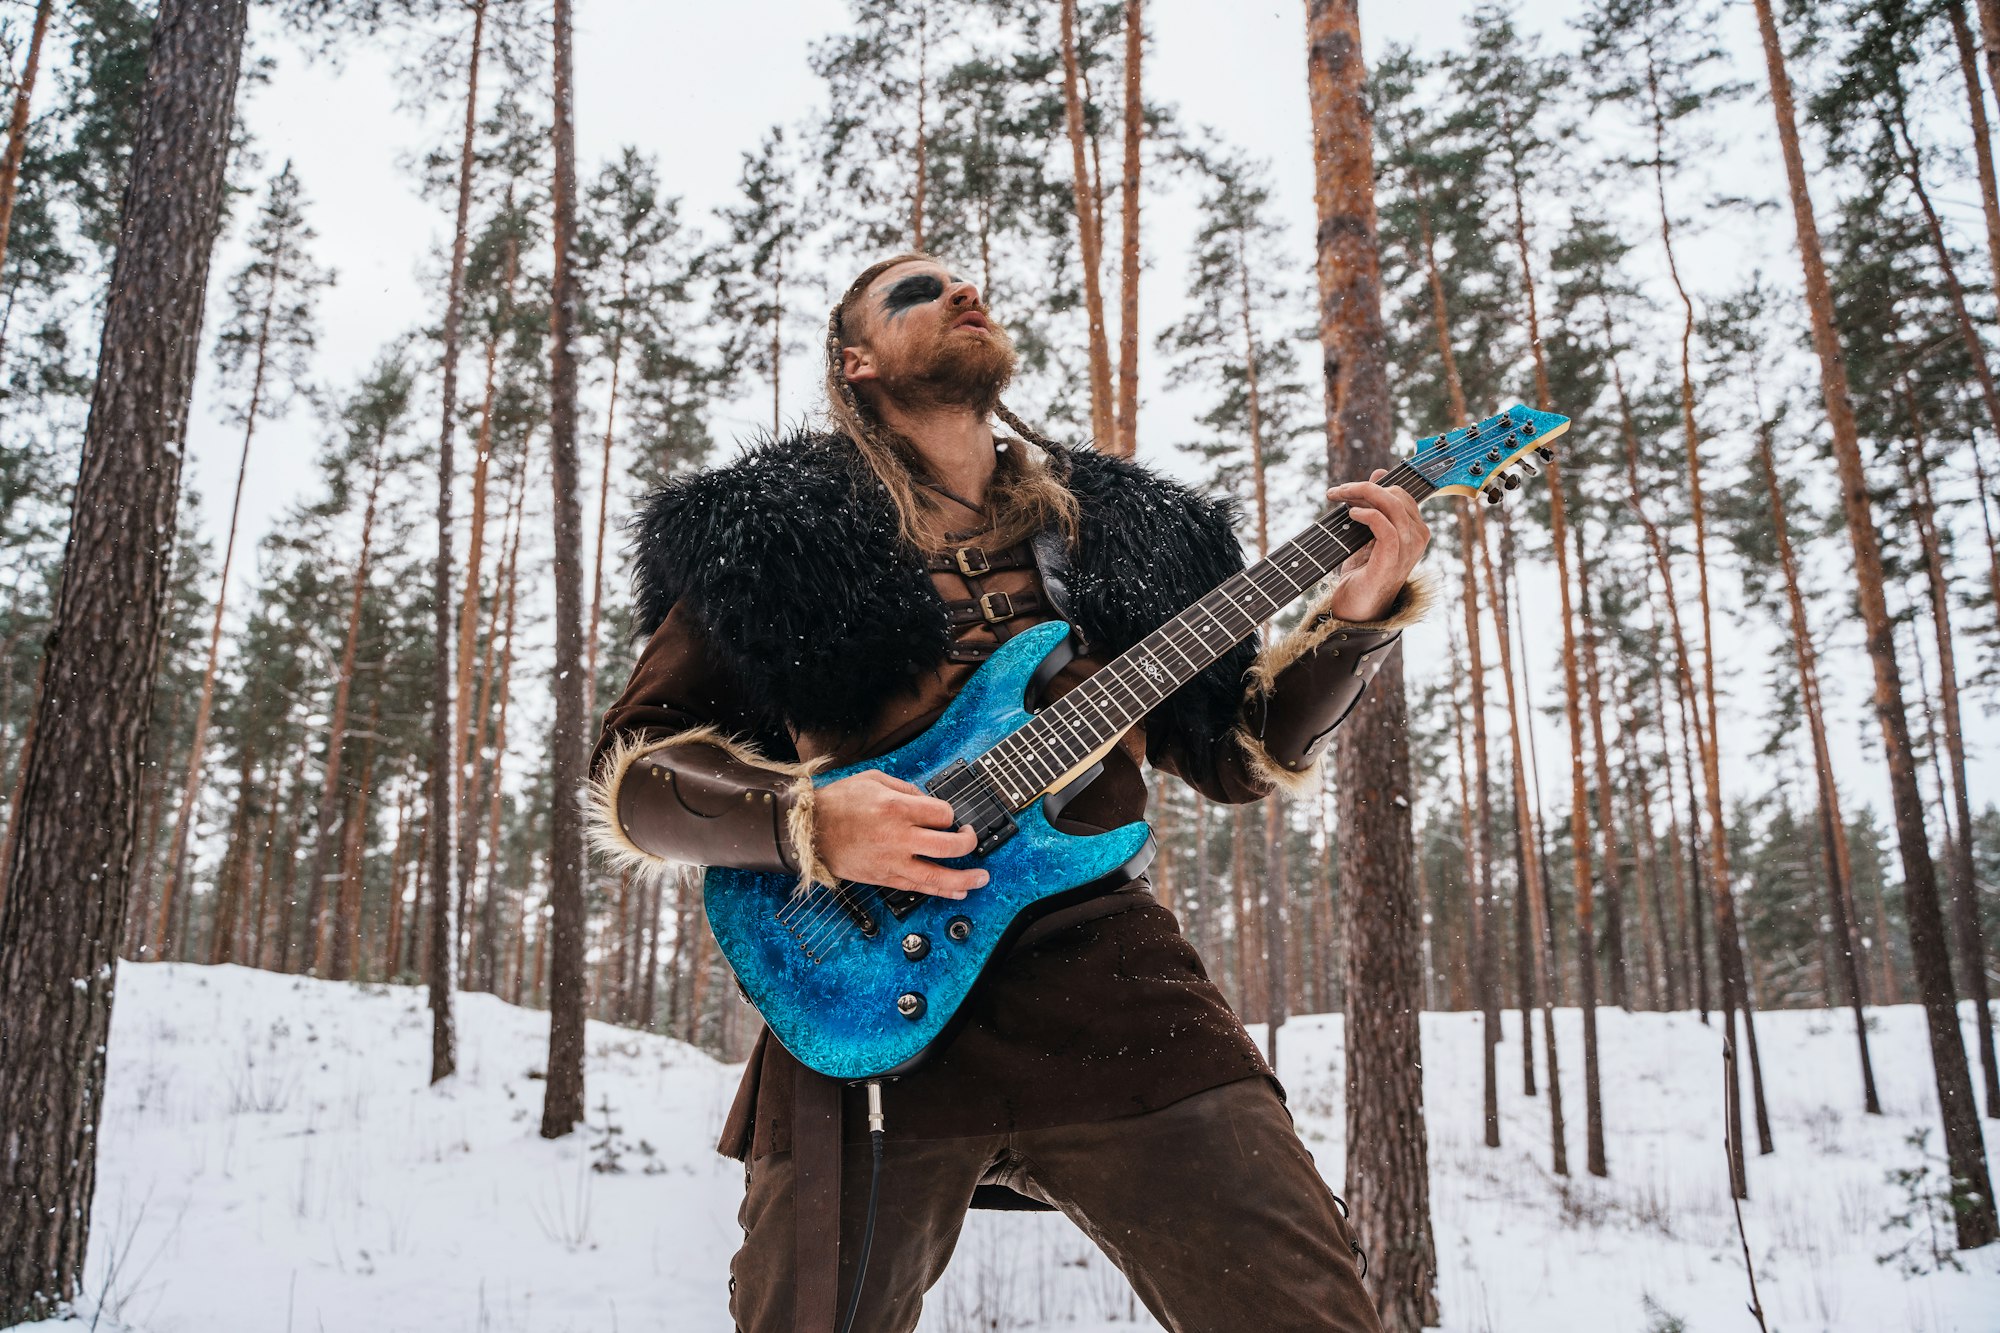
818	602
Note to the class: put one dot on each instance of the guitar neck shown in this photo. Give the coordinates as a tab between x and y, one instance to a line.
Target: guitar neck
1078	728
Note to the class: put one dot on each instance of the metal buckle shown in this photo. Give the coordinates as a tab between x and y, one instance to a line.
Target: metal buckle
971	560
989	601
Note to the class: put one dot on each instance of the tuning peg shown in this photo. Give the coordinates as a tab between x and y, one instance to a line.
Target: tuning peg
1547	454
1492	494
1511	481
1530	469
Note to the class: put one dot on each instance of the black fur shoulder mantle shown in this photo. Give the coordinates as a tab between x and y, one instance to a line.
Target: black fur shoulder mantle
789	558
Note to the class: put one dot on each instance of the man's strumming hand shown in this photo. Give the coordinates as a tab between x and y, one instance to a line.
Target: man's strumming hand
875	829
1370	581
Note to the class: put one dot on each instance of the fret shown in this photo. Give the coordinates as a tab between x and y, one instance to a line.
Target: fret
1058	738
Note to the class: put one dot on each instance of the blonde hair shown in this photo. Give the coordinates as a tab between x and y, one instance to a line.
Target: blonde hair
1026	494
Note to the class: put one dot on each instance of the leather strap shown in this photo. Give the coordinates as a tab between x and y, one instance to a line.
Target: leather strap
973	561
1051	555
991	608
815	1202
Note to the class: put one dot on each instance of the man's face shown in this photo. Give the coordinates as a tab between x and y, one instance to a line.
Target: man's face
922	338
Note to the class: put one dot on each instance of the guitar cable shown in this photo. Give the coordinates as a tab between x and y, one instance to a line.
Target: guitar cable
875	1136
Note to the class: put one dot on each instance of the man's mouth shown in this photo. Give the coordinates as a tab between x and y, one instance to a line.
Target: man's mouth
972	320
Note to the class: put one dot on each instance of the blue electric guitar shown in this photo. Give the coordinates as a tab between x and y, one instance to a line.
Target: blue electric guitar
861	982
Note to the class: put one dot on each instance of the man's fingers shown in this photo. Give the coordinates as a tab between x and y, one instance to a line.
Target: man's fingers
893	783
944	843
928	811
1387	535
940	881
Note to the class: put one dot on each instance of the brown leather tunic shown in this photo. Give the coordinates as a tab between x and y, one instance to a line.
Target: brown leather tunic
1109	1017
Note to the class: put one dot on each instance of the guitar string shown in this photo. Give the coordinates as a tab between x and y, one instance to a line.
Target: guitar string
1479	438
950	789
826	919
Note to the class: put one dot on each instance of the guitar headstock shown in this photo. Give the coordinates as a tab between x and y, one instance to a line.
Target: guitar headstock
1477	459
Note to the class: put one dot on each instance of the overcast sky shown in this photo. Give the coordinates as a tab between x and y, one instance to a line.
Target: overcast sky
699	84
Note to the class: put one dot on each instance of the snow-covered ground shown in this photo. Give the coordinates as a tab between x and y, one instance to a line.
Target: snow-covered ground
273	1161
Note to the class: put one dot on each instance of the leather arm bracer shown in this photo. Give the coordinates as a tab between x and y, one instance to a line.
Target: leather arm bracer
1304	685
699	798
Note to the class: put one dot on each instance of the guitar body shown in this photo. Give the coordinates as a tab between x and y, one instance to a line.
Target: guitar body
831	992
859	982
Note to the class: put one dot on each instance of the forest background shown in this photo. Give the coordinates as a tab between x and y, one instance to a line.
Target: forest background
1601	172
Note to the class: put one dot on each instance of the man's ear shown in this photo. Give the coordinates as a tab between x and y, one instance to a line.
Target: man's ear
858	365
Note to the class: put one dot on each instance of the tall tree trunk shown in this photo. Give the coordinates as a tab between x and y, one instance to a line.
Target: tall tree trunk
1527	850
563	1110
1833	830
499	765
465	794
1614	865
1471	536
17	132
1989	30
442	964
392	929
1656	544
69	866
1586	966
1579	837
1090	250
230	883
347	909
1964	887
604	481
1272	906
1735	985
648	990
1977	1221
198	745
1388	1167
330	799
1982	370
1982	140
1128	261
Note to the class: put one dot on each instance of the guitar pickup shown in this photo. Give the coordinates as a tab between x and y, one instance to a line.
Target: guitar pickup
995	834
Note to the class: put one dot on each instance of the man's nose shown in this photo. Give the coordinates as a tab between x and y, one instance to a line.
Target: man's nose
963	293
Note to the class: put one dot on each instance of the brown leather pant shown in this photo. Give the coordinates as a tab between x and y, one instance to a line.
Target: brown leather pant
1211	1207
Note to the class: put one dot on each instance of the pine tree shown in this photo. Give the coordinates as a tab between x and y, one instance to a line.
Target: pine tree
1431	188
1388	1155
1977	1221
17	124
263	357
1662	56
1232	341
762	252
881	164
563	1105
69	859
1741	332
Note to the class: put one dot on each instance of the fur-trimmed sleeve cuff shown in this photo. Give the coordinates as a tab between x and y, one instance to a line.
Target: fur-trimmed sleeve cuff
700	797
1304	684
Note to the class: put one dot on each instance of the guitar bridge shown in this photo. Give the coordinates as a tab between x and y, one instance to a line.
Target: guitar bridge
850	903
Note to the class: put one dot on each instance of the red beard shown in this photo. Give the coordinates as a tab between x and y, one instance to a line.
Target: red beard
960	367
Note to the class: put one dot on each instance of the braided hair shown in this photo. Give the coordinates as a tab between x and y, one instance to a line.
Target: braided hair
1026	494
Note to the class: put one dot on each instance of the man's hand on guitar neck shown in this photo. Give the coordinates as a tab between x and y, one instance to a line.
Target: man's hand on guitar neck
1370	581
875	829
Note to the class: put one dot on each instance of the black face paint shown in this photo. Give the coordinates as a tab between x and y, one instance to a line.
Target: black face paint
917	289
